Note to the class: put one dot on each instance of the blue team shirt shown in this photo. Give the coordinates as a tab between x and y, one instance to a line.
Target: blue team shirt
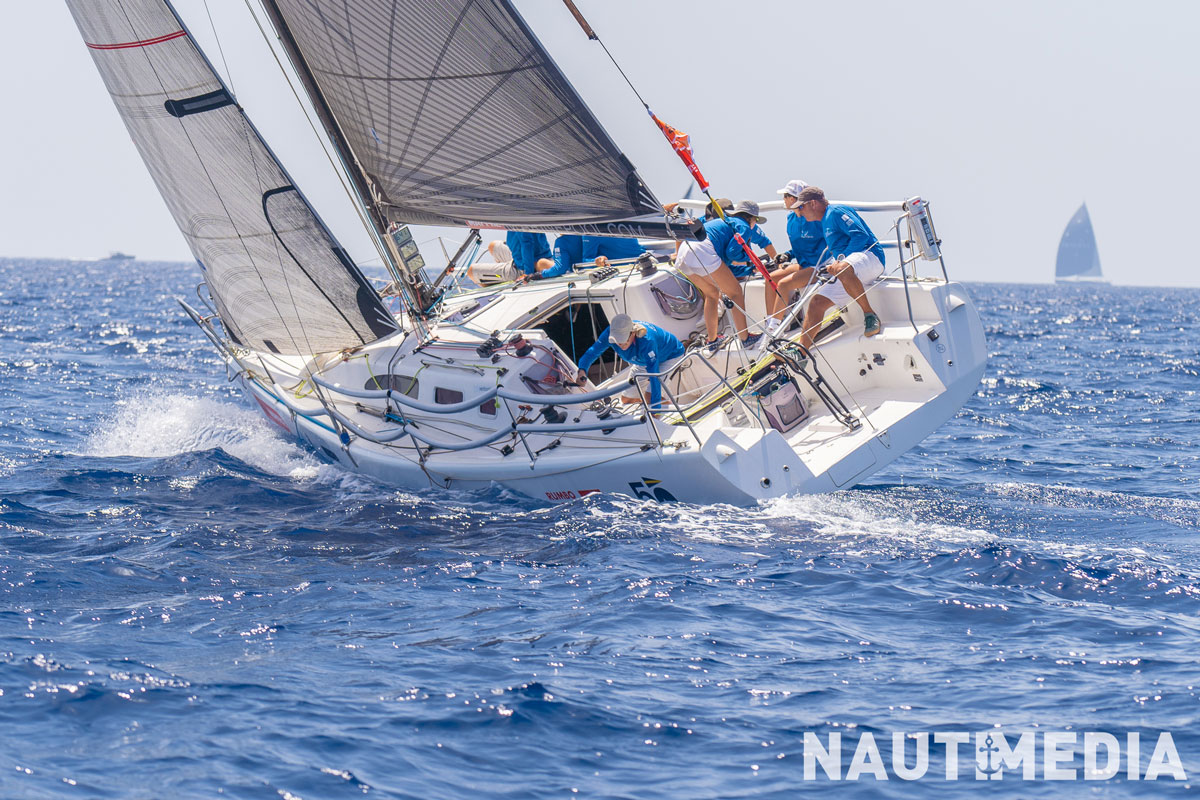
720	233
571	249
807	240
568	251
527	248
735	256
846	233
648	352
613	247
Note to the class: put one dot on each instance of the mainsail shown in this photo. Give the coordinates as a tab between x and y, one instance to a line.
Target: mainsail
280	280
1078	256
456	115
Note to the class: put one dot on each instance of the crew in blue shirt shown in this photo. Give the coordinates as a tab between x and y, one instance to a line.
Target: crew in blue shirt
807	240
639	343
613	248
526	249
571	249
856	262
568	251
704	264
846	233
745	220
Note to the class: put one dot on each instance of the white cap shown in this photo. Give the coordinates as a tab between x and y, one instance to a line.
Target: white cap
620	329
794	188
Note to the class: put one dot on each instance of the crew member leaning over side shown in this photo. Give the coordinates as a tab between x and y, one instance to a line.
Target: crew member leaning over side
807	240
703	262
639	343
858	264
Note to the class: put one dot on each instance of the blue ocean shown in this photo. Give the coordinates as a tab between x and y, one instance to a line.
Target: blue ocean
191	606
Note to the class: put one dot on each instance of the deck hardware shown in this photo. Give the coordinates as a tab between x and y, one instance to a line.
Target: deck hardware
490	345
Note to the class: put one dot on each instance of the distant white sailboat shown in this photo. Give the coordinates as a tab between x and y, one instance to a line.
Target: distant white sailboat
1078	256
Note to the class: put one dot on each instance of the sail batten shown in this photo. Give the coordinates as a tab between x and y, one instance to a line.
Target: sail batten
279	279
456	115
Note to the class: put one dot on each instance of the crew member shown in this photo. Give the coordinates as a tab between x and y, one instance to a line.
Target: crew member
807	240
858	262
526	249
571	250
639	343
703	263
745	219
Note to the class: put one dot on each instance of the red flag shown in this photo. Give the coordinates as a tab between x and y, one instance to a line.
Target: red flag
683	147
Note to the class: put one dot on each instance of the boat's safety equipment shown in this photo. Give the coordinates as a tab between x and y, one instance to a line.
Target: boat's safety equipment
927	241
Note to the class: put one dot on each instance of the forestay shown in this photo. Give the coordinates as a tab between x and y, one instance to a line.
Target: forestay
458	116
280	280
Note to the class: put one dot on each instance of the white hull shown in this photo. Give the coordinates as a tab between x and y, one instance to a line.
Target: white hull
901	386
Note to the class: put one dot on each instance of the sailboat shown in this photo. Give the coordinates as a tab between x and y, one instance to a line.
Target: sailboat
1078	256
453	114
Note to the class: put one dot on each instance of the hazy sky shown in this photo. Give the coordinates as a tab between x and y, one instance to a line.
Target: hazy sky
1006	116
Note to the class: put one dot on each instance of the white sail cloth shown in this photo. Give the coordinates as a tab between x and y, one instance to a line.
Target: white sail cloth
280	281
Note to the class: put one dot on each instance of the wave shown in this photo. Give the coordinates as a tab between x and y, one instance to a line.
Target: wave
156	424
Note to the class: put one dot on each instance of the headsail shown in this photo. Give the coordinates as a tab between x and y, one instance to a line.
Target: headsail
458	116
280	280
1078	256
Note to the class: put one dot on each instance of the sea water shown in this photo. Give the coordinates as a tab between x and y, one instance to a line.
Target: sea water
191	606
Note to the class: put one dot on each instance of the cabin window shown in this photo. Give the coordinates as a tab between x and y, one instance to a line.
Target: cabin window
447	397
488	407
404	384
574	329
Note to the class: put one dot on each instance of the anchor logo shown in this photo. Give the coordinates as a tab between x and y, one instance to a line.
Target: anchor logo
989	748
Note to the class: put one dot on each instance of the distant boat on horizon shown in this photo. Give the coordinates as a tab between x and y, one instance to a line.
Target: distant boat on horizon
117	255
1078	256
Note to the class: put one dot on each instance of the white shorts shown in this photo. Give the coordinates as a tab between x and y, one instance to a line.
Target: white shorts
487	273
697	258
866	267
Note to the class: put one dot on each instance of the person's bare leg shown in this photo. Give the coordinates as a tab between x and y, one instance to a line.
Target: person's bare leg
796	281
845	273
773	300
712	296
813	318
731	287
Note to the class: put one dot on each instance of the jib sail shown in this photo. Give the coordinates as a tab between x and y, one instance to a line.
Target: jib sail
280	280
